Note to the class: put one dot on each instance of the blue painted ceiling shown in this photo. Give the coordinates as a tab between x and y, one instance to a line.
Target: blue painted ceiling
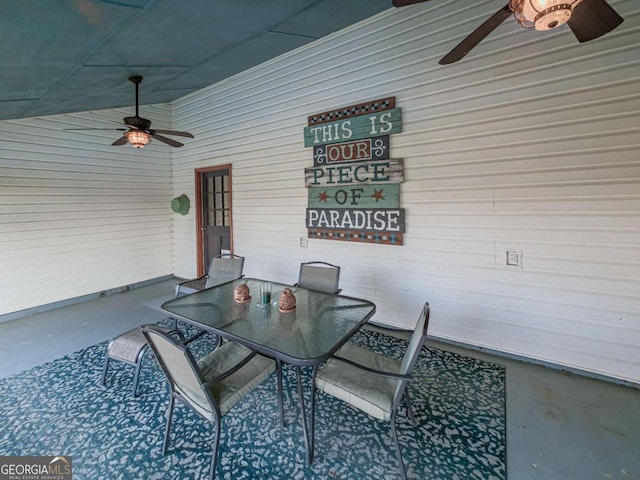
60	56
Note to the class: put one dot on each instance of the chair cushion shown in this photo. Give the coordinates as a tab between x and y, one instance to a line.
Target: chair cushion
373	394
232	389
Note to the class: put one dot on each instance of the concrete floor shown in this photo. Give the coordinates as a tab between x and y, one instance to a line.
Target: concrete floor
559	425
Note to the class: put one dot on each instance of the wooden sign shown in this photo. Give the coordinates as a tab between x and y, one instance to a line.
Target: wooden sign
359	150
354	187
366	196
361	219
376	172
355	128
352	111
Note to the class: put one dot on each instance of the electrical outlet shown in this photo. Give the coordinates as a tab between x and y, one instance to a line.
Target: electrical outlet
514	258
304	242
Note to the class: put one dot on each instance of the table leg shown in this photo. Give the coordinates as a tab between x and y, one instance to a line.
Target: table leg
313	412
280	394
303	413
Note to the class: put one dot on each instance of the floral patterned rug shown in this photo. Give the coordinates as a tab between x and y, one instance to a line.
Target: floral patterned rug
61	408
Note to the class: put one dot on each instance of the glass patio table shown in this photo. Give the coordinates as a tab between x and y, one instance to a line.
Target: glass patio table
308	336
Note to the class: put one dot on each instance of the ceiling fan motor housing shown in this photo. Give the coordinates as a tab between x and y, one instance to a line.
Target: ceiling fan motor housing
138	122
548	14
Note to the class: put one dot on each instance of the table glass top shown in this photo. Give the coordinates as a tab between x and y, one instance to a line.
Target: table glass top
311	333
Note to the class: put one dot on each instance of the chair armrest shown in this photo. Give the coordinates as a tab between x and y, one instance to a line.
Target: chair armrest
187	282
195	336
296	285
231	371
381	373
191	280
401	333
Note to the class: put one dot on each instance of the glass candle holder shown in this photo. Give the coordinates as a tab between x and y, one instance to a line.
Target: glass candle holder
265	293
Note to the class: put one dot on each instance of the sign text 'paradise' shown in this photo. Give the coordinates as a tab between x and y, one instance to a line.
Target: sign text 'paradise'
378	220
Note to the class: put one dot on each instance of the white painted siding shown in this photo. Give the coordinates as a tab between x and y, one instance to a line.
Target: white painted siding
530	143
78	216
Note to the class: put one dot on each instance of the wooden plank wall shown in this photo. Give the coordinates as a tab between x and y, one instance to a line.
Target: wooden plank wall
532	143
78	216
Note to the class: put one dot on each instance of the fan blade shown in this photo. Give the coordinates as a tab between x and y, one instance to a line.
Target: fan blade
121	141
168	141
404	3
476	36
116	129
173	132
592	19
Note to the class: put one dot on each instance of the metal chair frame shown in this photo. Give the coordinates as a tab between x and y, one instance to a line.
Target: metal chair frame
148	331
401	392
210	280
140	347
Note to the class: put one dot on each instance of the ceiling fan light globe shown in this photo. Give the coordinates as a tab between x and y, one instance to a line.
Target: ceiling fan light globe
546	14
137	139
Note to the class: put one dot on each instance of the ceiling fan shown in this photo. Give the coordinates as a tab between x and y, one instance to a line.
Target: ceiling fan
588	19
139	132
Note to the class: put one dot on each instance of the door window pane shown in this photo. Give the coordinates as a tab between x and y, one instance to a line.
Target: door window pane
217	200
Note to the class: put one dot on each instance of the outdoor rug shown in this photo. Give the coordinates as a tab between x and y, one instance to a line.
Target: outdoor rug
61	408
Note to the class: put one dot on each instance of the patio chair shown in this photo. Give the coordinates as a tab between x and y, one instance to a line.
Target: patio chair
372	382
130	347
320	276
212	385
223	268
